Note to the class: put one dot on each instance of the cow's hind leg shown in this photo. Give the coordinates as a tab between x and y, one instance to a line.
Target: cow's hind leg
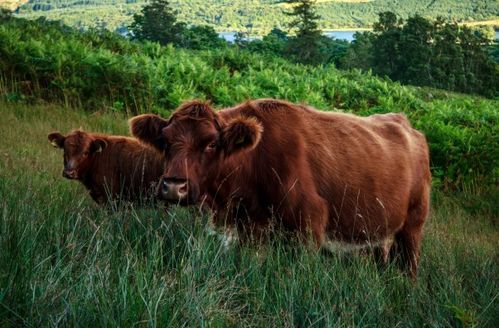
409	238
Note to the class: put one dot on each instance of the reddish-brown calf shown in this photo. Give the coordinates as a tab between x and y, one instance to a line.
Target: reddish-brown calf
110	166
348	180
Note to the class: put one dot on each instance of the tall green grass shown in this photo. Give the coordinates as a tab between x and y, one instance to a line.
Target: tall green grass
66	262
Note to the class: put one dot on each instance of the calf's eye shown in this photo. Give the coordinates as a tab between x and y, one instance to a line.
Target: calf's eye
211	146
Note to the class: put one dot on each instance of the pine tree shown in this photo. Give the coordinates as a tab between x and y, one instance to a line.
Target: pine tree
416	51
157	22
386	46
305	47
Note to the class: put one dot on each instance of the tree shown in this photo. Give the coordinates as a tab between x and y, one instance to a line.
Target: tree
157	22
416	51
421	52
5	14
386	41
241	40
359	53
274	42
447	62
305	47
201	37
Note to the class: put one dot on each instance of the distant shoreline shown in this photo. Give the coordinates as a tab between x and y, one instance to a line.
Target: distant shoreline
348	29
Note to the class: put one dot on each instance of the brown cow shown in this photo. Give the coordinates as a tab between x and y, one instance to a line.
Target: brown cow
109	166
348	180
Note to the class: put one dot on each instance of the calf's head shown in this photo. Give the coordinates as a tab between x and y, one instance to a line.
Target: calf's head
80	149
196	142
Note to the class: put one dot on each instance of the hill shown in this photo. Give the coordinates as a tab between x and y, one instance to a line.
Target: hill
256	16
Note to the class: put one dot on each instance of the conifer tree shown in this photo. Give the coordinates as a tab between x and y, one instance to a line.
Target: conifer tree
157	22
305	47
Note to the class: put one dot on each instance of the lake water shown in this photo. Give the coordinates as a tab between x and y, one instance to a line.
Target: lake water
340	35
230	36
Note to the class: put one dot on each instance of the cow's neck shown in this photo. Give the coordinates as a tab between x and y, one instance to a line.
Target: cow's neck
225	188
91	178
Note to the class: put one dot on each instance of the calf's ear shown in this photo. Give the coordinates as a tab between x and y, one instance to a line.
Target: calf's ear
242	133
148	128
56	139
98	145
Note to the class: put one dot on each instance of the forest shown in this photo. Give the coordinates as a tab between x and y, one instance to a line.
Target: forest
257	16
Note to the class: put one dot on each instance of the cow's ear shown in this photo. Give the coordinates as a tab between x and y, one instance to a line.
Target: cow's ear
242	133
98	145
148	128
56	139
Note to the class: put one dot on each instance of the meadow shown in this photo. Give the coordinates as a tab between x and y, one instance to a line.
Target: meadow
65	261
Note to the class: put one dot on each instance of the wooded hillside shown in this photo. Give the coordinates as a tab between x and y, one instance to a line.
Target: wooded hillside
257	16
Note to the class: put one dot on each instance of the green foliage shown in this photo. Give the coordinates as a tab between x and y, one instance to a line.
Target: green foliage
305	46
99	70
360	53
425	53
463	135
493	51
158	23
66	262
201	38
273	44
5	14
277	43
258	16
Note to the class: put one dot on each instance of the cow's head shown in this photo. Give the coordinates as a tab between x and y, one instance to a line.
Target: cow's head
196	142
80	149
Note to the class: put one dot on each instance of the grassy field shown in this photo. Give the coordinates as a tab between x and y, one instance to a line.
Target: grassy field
66	262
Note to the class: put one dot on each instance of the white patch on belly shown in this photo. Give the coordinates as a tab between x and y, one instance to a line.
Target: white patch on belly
337	246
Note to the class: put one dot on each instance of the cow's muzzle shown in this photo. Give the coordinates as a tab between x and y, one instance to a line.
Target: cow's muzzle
70	174
174	190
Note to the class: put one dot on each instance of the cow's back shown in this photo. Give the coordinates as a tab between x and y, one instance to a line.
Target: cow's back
368	170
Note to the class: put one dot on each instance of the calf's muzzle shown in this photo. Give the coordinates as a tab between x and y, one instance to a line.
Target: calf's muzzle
173	189
70	174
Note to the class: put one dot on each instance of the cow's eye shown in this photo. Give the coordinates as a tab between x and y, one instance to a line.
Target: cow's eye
211	146
85	153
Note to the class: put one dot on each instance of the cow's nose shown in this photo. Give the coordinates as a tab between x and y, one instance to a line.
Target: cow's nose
174	189
70	174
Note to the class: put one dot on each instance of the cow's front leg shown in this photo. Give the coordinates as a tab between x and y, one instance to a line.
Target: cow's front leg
309	217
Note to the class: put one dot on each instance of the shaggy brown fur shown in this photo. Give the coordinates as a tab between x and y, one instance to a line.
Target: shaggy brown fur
344	178
110	166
